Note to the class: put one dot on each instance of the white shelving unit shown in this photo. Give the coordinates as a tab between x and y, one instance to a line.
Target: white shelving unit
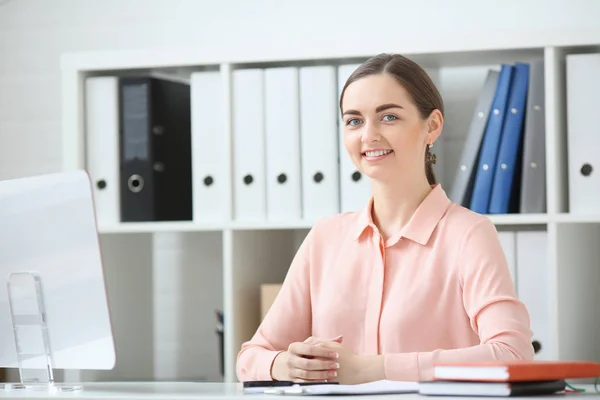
254	253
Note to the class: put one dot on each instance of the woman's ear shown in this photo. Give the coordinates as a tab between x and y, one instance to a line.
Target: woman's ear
435	124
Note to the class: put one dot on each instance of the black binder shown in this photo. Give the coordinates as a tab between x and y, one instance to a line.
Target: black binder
155	150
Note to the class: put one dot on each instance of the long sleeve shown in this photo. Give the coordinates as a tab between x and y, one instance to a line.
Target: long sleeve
288	320
501	321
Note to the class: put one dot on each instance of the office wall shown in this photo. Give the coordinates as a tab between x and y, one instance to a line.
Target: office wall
33	34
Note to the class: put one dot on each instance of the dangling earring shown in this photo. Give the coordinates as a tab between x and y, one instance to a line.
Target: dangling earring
430	157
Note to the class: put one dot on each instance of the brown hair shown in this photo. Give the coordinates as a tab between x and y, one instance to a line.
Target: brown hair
417	83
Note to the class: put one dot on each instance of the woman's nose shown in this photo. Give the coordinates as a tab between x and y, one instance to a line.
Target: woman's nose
370	133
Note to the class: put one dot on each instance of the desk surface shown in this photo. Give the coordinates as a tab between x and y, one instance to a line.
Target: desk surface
217	391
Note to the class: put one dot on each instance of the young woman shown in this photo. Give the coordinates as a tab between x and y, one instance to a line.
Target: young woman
410	280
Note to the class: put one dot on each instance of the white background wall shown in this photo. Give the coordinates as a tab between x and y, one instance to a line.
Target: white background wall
34	33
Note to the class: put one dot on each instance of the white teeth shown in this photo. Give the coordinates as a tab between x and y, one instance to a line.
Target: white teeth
377	153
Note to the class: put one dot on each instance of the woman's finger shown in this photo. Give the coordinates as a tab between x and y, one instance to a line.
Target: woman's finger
310	350
317	340
312	375
312	340
299	380
314	364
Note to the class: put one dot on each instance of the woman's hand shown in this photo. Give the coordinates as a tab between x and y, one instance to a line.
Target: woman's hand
306	362
355	368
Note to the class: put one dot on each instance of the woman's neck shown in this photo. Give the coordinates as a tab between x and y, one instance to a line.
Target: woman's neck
394	204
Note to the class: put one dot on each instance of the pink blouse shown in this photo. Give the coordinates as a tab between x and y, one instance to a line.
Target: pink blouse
440	291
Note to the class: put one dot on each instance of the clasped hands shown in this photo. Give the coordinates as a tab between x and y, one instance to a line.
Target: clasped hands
318	360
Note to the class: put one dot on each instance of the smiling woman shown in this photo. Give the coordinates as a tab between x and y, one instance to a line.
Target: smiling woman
392	114
418	105
410	280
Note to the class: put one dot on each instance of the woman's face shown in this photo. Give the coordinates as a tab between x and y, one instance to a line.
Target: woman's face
384	133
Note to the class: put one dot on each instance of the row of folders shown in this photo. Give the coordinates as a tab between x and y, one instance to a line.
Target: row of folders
503	163
502	167
158	148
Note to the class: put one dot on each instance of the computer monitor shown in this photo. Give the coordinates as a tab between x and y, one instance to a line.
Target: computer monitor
53	299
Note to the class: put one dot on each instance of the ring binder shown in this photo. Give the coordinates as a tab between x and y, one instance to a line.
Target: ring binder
155	149
135	183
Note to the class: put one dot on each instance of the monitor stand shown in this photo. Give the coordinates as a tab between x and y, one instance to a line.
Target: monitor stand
34	355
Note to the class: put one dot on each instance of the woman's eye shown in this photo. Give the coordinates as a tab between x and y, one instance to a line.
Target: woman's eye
352	122
389	117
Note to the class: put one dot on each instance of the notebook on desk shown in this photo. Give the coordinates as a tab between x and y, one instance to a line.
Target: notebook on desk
370	388
518	370
251	387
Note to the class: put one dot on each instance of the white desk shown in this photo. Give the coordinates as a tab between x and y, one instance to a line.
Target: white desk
217	391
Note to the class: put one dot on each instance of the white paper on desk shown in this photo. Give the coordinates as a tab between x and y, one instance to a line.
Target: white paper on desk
377	387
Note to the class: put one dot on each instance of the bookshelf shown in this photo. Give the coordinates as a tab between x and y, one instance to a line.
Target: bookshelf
185	226
252	253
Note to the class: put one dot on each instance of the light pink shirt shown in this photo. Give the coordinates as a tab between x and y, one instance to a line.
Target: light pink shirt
439	292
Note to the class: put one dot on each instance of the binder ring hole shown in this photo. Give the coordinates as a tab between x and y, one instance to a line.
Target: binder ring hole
101	184
208	180
318	177
537	346
135	183
586	169
248	179
281	178
356	176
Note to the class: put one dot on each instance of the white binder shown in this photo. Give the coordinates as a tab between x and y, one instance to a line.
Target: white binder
102	146
533	287
248	138
319	142
355	187
583	86
282	127
508	243
210	155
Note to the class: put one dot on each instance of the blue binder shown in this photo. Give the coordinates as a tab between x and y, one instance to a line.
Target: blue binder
489	147
508	165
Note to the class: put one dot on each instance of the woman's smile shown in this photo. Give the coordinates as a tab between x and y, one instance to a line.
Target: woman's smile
376	155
